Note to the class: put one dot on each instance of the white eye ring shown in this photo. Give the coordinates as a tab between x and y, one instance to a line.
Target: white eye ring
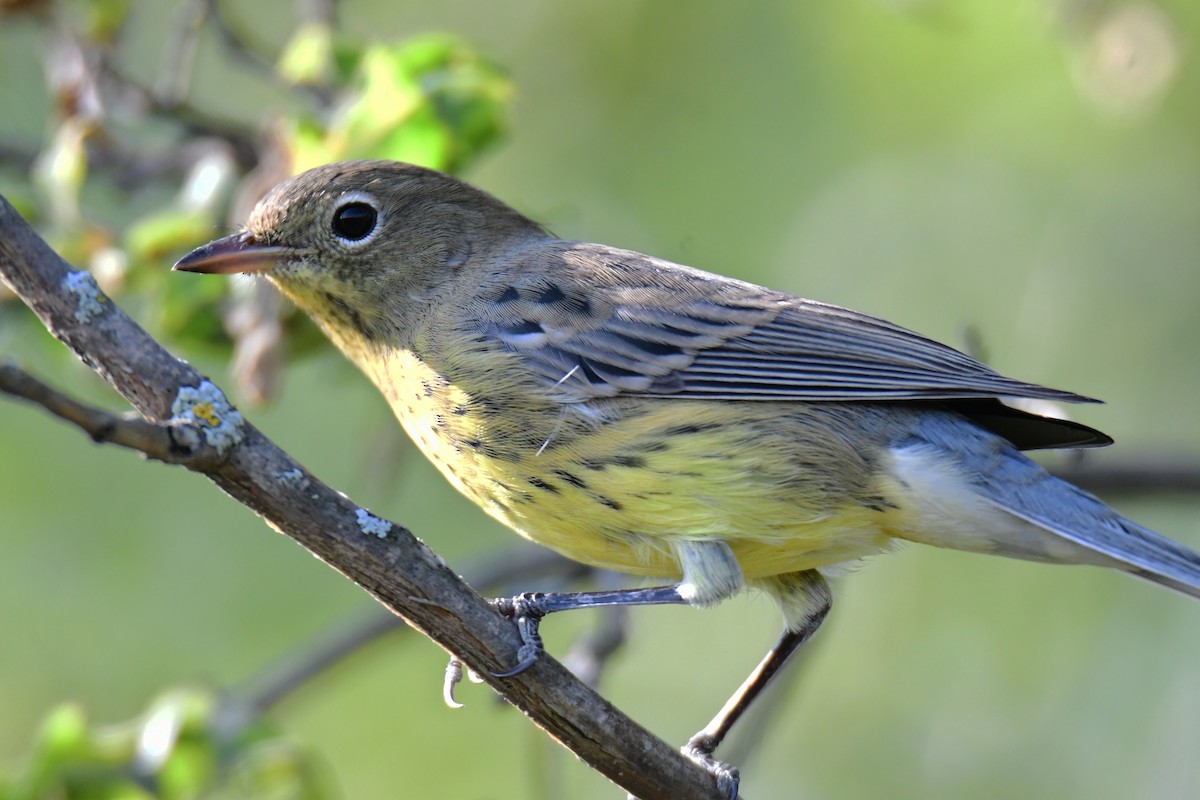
356	219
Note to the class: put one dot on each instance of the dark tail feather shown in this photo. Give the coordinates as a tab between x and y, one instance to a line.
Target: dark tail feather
1070	512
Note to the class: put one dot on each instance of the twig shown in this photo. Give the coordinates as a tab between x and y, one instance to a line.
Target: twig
1133	473
194	121
178	443
17	156
381	556
238	46
348	636
591	652
180	52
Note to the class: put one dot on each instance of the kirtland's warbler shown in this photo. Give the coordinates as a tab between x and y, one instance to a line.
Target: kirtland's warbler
651	418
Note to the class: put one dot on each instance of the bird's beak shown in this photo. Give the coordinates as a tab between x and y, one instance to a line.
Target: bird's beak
237	253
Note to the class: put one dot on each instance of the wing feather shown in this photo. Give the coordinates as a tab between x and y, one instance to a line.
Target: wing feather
612	322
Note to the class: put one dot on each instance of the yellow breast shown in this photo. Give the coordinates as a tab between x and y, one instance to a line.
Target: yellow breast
612	485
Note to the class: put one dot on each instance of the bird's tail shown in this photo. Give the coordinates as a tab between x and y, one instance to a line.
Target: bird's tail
1079	517
974	491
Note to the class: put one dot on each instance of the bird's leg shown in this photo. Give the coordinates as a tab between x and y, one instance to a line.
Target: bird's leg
710	574
527	610
806	599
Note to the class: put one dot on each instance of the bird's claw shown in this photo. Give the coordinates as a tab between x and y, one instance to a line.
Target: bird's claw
699	750
526	612
454	676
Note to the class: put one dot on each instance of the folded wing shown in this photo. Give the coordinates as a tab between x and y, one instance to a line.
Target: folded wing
614	322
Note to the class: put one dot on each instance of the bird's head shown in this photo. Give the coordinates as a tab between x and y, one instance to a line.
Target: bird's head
361	242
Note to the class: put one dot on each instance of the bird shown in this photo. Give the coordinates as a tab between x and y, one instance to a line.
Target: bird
647	417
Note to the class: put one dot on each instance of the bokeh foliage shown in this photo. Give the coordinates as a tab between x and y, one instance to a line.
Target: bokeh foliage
430	100
1029	167
178	173
175	750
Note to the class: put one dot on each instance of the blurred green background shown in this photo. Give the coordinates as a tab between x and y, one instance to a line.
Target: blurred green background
1029	167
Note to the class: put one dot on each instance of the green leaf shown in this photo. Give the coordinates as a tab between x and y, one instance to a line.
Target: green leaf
64	733
387	94
307	58
431	101
60	170
423	140
61	742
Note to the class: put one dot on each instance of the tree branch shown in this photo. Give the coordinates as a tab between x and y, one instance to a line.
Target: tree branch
174	444
380	556
1133	473
298	668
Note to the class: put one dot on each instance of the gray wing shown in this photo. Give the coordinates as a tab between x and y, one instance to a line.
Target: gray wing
609	322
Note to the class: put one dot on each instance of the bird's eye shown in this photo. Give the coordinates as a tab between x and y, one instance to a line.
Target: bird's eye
354	221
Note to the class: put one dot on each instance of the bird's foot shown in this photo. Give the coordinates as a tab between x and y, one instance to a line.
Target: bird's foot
526	610
699	750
